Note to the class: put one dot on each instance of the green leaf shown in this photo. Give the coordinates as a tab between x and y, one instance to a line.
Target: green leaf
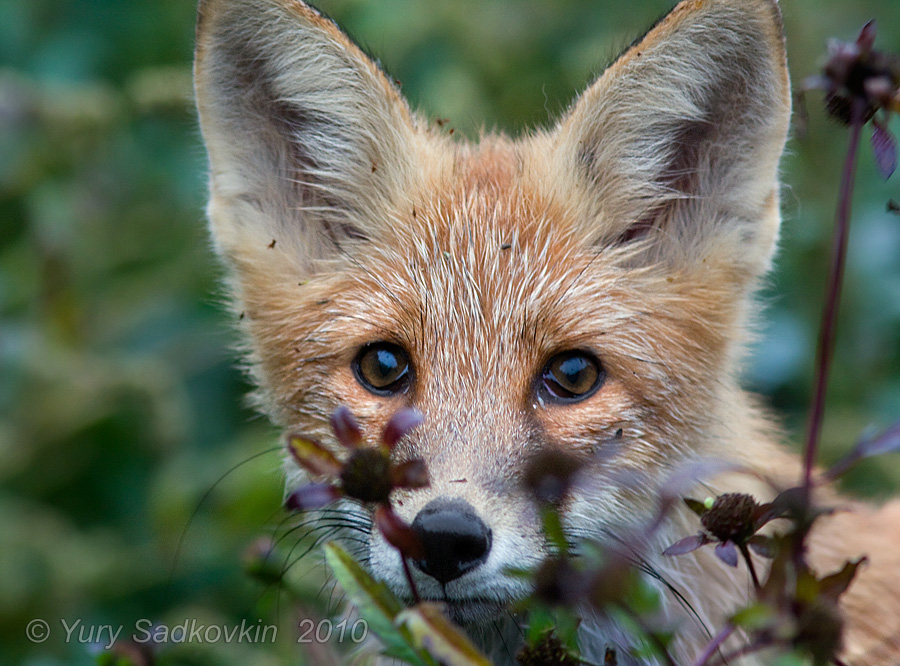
540	621
562	621
443	640
807	587
553	528
795	658
868	446
567	623
312	456
376	604
642	597
646	649
834	585
519	572
754	617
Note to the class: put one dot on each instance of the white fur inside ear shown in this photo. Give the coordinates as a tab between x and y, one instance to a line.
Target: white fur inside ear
308	140
678	143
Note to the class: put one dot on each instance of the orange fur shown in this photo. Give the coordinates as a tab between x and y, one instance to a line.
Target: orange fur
636	230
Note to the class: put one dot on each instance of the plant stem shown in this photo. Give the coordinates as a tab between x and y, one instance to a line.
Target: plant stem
825	349
409	579
749	560
714	645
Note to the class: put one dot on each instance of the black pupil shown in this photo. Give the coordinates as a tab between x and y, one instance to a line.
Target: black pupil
386	367
382	367
573	374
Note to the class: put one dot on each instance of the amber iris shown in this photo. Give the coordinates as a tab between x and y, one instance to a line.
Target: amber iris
571	376
382	368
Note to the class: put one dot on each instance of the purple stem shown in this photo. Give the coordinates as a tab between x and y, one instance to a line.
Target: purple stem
745	552
825	349
409	579
714	645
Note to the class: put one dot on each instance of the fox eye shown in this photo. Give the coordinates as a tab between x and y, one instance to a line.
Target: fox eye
382	368
571	376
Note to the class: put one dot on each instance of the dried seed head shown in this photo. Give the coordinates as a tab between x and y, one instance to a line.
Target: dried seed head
549	650
366	476
731	517
839	106
856	73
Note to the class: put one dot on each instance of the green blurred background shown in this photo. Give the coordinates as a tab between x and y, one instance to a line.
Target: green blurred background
120	404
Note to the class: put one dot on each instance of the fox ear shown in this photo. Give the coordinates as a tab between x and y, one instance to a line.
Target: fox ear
308	140
677	143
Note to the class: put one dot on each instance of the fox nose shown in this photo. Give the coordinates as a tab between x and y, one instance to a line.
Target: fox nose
455	539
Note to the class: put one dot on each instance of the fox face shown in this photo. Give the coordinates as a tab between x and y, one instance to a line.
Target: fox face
583	290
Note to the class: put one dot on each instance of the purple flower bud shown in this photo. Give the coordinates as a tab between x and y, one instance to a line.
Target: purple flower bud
686	545
411	474
731	517
399	425
866	38
884	145
346	429
397	533
727	552
312	496
312	456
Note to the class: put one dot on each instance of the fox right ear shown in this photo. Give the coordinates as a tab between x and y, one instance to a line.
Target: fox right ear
308	140
677	144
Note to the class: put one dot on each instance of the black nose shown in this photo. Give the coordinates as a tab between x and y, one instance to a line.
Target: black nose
456	540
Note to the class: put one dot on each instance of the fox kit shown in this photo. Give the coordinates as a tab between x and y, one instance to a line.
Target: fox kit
588	283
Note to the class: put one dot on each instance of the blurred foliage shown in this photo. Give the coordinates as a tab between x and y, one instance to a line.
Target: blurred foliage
120	403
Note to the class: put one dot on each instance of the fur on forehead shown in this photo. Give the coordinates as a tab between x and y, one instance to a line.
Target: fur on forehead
677	142
664	171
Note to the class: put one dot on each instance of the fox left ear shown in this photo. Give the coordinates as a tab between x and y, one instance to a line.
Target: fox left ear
678	142
309	142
